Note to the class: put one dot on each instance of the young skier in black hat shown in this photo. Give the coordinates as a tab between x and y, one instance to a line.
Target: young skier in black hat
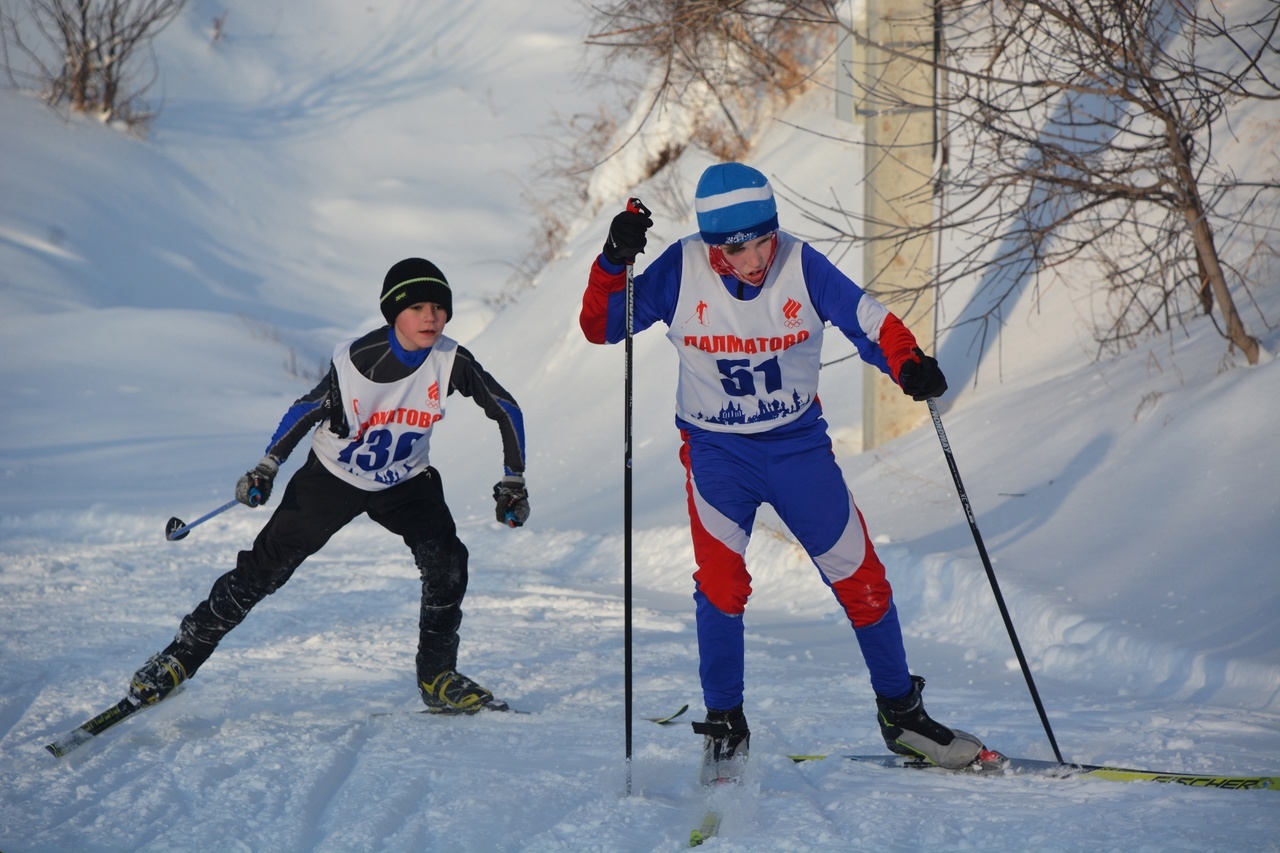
377	408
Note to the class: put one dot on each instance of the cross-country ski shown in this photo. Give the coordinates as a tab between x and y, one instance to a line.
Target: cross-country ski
669	718
1012	767
87	731
706	830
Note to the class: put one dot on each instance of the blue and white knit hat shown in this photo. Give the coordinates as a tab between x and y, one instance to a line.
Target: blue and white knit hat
735	204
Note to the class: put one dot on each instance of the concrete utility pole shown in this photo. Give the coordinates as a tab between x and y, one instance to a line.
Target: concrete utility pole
900	152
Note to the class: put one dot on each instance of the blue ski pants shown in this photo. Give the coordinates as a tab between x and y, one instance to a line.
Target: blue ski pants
793	469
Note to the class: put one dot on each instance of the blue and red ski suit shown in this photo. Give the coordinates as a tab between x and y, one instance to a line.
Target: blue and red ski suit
763	447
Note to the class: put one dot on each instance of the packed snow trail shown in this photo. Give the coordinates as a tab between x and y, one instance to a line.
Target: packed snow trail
275	743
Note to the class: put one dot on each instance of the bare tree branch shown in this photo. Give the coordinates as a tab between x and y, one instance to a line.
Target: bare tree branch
742	53
87	54
1087	133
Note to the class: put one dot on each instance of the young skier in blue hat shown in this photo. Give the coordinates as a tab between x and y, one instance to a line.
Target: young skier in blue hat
745	305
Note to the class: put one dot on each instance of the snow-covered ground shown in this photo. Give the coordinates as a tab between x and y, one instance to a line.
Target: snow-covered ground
162	302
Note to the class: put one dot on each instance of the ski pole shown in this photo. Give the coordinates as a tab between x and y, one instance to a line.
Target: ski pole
991	576
634	205
176	529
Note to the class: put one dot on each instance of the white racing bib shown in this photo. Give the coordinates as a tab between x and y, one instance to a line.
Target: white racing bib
390	422
745	366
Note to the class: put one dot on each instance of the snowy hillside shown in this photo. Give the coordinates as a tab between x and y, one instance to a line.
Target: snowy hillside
162	302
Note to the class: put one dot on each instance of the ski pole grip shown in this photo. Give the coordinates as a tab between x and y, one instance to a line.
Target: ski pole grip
635	205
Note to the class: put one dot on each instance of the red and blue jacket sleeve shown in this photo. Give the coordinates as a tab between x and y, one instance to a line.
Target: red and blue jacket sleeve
881	338
604	311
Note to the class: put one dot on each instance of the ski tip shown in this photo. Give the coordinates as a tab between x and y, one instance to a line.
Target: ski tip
802	758
72	740
709	829
662	721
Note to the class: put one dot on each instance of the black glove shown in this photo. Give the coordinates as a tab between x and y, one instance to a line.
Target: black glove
254	487
512	501
627	236
923	379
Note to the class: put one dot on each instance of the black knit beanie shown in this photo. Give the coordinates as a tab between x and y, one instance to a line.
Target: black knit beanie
411	281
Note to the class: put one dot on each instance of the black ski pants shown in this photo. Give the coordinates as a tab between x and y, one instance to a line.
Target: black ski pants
316	505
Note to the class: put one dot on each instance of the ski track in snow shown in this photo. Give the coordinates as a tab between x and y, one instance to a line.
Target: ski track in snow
300	734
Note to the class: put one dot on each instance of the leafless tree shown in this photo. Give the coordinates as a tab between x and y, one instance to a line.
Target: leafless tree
1088	133
735	55
720	60
1070	130
86	54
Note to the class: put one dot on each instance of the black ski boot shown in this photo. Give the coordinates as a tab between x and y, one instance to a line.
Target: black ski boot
157	678
725	743
165	671
451	692
909	730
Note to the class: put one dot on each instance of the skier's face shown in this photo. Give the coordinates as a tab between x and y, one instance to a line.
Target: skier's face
419	326
750	260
